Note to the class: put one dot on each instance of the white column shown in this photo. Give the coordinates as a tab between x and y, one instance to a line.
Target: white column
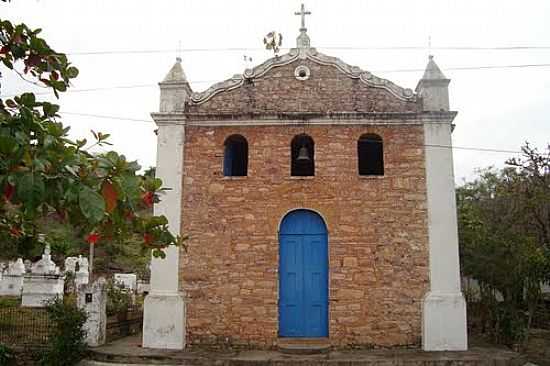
444	308
164	313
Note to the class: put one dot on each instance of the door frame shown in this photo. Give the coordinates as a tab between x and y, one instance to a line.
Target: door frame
282	217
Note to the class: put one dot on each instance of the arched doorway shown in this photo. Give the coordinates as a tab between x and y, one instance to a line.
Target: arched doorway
303	275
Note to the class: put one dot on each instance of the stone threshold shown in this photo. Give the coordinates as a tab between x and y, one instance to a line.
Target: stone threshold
303	346
128	352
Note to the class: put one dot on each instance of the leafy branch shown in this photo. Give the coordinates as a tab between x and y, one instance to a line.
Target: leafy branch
45	176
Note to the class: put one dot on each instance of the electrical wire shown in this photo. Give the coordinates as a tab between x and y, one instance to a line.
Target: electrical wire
106	117
481	149
459	68
344	48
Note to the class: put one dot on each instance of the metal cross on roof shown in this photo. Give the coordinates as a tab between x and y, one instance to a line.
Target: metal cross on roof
303	13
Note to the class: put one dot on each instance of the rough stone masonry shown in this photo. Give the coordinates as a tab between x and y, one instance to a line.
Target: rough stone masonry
377	234
378	255
392	251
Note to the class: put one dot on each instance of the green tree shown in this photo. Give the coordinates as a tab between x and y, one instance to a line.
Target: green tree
503	242
49	182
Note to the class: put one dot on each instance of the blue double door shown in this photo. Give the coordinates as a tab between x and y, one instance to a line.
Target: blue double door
303	275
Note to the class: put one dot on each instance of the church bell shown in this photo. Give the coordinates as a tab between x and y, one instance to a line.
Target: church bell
303	155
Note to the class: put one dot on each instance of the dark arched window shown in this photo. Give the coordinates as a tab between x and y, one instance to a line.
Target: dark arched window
235	157
370	154
303	156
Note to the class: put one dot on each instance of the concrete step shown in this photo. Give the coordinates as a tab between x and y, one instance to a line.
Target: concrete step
303	346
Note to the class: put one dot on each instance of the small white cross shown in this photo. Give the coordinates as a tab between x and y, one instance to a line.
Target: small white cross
303	13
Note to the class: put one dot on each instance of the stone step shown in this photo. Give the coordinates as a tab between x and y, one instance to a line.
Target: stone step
289	340
303	346
128	351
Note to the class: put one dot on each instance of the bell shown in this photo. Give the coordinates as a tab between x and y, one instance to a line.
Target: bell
303	156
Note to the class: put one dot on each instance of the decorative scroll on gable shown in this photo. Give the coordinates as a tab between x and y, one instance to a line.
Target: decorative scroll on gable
238	80
354	72
367	77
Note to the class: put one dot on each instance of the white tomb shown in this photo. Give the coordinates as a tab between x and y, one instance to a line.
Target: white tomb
83	273
28	265
143	287
44	283
70	264
12	279
126	280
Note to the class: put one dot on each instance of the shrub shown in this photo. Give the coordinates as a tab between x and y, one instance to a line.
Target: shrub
118	299
7	356
66	346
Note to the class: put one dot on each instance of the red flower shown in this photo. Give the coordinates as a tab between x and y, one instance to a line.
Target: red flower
15	231
9	190
147	238
129	215
148	198
92	238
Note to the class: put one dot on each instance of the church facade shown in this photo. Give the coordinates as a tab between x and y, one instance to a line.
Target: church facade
319	203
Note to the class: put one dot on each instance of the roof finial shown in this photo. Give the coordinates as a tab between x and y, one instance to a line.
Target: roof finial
433	72
176	73
303	13
178	54
303	39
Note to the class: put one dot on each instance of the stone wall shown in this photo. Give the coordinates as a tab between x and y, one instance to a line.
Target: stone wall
378	254
327	90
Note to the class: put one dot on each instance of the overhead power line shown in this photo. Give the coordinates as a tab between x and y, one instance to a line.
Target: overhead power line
135	86
481	149
107	117
343	48
487	67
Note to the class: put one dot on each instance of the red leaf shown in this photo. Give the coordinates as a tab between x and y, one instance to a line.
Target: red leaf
54	75
15	232
33	60
9	190
92	238
129	215
4	50
147	238
109	195
148	198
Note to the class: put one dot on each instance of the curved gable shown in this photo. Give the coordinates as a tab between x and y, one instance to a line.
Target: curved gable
331	86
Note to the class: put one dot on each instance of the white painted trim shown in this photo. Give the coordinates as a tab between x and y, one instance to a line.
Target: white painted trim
443	308
164	314
301	208
300	119
170	151
164	320
297	123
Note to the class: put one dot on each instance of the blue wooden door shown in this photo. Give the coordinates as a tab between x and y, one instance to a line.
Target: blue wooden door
303	276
